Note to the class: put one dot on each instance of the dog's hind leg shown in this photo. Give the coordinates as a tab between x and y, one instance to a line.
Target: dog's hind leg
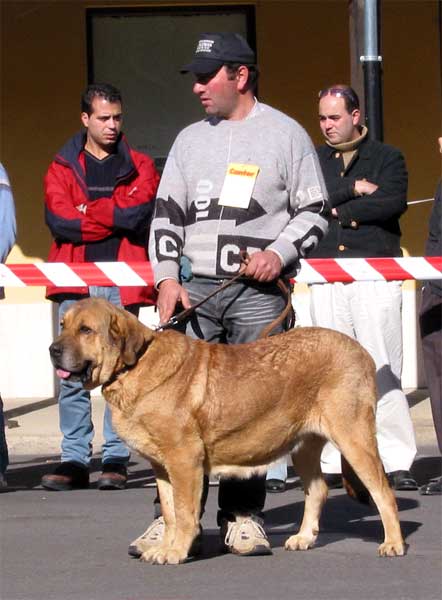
306	460
360	450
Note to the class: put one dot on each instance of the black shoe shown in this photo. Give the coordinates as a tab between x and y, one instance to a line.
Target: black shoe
333	480
3	483
113	477
67	476
432	488
402	481
275	486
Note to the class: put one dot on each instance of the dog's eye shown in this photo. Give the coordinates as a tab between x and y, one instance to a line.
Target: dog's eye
85	329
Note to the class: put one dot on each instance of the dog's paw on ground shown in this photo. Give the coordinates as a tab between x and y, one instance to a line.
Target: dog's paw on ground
300	542
392	549
164	555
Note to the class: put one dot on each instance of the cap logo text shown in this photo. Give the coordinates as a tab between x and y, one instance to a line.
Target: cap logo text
204	46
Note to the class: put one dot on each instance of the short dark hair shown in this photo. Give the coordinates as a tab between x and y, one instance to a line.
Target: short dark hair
349	95
99	90
232	68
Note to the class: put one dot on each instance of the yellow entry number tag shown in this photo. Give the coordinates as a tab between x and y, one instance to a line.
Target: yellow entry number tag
238	185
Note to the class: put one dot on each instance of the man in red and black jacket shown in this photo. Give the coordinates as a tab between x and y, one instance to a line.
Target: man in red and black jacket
99	197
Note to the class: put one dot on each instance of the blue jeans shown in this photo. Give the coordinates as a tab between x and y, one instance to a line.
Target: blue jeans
75	410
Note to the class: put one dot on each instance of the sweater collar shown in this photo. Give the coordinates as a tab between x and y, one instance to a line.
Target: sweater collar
352	145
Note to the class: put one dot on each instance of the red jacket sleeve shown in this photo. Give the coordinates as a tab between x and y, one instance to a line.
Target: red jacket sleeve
130	203
63	196
71	217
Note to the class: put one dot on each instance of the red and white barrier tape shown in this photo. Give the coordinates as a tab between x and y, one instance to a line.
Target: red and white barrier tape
319	270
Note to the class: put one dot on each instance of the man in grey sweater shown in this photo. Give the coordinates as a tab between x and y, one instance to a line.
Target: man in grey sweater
246	178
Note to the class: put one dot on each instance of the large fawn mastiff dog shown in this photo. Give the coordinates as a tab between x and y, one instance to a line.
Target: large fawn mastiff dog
192	407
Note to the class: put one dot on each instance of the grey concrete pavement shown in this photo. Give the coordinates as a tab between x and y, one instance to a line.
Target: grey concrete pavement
73	545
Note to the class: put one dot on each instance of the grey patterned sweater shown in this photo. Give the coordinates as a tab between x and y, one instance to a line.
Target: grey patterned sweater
288	210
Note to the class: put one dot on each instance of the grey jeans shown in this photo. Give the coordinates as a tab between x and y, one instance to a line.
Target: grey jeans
235	315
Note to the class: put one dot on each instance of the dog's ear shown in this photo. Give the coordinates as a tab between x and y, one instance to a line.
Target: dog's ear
131	336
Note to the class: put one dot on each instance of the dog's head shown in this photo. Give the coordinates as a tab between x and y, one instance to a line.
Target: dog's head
97	341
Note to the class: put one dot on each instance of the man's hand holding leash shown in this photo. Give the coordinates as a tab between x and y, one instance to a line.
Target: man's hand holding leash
170	292
263	266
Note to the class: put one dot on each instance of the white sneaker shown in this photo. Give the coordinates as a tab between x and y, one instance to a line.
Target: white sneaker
245	536
153	536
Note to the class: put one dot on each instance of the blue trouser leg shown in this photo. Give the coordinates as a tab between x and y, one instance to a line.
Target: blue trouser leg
75	410
75	423
114	449
74	407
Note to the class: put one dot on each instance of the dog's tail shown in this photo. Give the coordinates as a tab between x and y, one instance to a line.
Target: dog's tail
352	484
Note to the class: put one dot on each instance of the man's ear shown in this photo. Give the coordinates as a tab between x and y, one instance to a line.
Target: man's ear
84	119
242	76
356	116
129	334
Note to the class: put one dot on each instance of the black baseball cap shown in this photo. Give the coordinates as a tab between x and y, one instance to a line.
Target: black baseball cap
215	49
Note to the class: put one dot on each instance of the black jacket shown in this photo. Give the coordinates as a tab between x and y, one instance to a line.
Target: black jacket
367	225
433	246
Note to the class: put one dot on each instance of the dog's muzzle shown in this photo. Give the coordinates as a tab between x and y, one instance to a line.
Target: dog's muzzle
82	373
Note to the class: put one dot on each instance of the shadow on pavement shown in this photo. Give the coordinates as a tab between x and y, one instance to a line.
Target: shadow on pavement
29	407
27	473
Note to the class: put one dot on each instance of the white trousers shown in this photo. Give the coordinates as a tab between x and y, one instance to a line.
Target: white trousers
278	469
370	312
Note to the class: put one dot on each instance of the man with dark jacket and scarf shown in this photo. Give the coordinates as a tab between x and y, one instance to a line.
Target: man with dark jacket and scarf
430	319
98	204
367	185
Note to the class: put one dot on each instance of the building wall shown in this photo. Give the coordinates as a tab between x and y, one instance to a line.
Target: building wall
44	71
303	45
413	103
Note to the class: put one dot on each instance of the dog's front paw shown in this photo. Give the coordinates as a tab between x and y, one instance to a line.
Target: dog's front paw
163	555
300	542
392	549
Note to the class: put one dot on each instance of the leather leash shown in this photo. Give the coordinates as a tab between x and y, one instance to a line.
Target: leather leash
265	332
188	311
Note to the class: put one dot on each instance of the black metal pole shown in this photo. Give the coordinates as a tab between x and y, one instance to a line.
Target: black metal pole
372	67
373	100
